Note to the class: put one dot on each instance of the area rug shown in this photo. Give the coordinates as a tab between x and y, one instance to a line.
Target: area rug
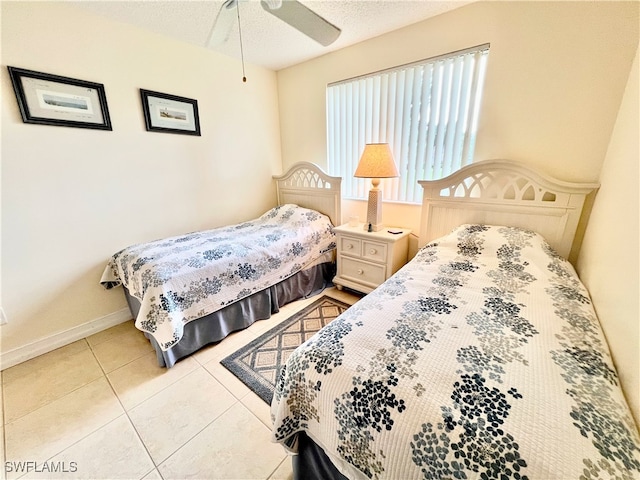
258	363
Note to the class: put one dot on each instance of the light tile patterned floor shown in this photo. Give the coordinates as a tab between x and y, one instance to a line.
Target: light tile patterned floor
101	408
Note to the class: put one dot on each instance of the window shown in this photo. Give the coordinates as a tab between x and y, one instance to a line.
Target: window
426	111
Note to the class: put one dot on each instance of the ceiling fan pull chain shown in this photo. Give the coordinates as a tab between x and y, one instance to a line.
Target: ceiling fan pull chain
244	78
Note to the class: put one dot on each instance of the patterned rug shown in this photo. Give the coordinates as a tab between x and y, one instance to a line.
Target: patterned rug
258	363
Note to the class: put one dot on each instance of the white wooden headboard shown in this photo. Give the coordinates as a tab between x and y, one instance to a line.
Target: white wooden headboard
502	192
307	185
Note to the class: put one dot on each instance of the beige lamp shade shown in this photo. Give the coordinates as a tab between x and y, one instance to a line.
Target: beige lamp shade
376	162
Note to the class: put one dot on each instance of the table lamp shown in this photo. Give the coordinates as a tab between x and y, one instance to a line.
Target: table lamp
376	162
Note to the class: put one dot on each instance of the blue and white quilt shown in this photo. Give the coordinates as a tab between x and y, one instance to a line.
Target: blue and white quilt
183	278
482	358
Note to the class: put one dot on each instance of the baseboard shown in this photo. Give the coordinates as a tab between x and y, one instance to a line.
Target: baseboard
47	344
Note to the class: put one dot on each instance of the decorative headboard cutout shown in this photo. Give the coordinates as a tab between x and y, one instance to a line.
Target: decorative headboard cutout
307	185
502	192
306	177
499	185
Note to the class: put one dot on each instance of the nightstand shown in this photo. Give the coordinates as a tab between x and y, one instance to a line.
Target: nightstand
366	259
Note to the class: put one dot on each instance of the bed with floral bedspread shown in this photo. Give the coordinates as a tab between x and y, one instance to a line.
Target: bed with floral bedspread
187	277
482	358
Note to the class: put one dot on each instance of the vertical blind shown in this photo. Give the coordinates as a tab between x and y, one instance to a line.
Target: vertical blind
426	111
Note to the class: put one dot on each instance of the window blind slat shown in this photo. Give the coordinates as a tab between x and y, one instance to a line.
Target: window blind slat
462	125
432	120
412	159
421	148
474	106
390	96
409	126
452	123
362	129
400	112
440	118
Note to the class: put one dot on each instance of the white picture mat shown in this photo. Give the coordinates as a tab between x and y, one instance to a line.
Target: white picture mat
166	113
60	101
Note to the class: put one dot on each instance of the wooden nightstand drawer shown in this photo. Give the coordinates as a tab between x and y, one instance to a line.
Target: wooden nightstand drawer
350	246
366	259
374	251
362	272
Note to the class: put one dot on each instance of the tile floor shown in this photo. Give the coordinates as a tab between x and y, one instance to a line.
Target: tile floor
101	408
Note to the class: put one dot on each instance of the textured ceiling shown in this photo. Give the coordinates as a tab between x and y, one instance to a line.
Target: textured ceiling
268	41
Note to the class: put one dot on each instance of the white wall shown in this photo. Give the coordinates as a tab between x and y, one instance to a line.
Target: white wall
609	260
555	76
72	197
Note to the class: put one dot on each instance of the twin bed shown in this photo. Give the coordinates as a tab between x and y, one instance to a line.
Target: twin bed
481	358
192	290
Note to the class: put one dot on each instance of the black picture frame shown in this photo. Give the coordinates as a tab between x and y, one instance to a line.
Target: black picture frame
48	99
166	113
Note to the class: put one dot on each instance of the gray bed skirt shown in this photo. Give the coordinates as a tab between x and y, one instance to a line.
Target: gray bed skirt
237	316
311	463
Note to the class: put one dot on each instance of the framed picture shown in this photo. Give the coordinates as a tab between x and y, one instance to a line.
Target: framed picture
170	113
54	100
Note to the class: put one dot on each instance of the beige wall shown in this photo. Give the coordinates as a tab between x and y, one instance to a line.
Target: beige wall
72	197
555	76
609	260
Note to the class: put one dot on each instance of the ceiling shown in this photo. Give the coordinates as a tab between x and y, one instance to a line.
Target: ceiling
268	41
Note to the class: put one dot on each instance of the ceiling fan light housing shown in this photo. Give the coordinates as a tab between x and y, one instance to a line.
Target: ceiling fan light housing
304	20
291	12
273	4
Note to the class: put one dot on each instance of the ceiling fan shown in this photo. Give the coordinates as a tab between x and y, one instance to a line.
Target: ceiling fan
292	12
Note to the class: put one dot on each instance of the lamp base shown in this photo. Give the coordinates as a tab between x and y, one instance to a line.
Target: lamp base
374	228
374	211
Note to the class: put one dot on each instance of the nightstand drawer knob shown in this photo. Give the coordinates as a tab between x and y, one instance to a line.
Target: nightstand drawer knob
373	251
349	246
360	271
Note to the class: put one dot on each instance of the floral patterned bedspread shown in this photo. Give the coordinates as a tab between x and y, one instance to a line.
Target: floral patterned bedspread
183	278
481	358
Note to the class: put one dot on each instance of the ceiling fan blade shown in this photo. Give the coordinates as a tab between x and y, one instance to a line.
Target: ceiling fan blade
223	23
303	19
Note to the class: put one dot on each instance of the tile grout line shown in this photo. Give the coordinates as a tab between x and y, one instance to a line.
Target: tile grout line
126	413
239	400
203	428
287	456
4	418
104	374
200	365
75	443
150	396
63	396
